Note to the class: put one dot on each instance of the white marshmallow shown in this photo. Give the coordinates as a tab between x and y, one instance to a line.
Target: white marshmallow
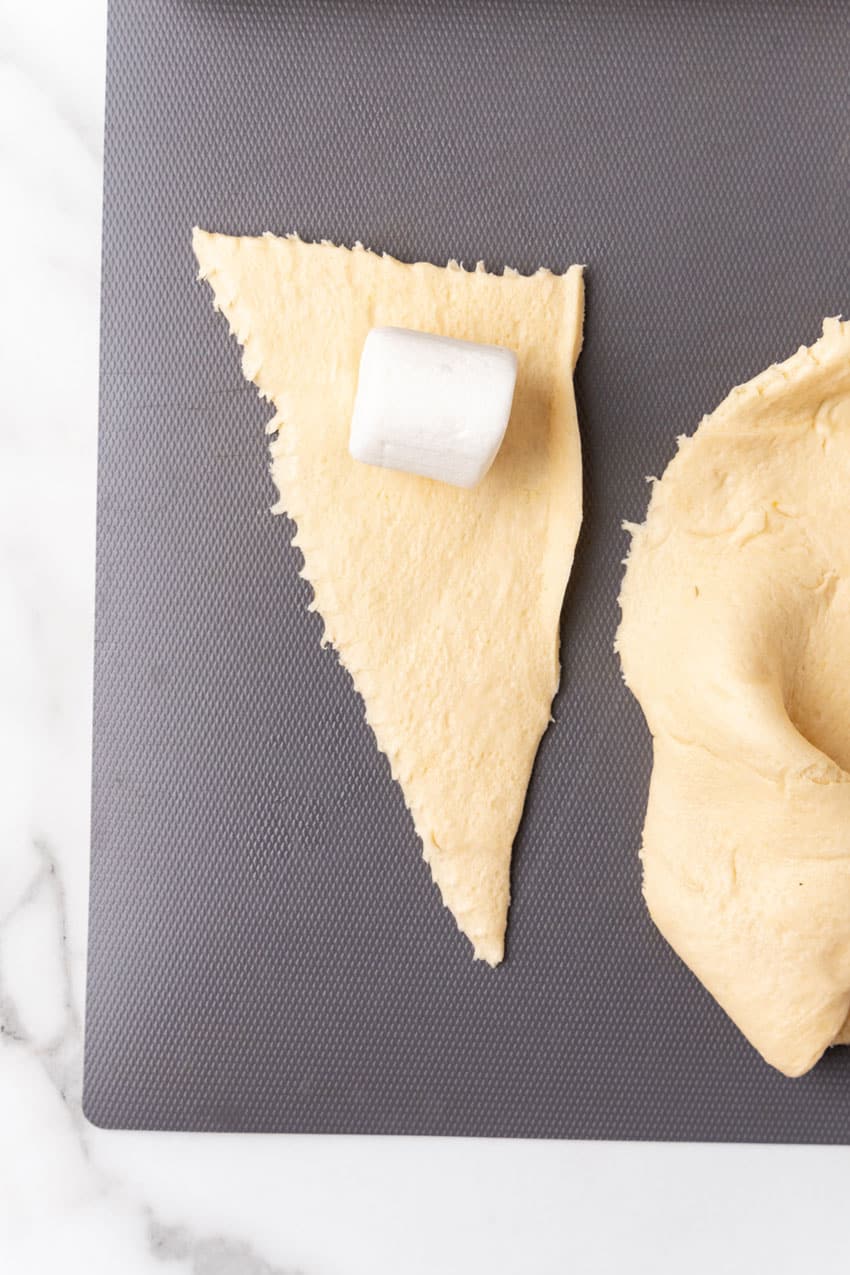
431	405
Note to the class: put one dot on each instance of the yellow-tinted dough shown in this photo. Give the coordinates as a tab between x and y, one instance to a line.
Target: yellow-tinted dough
444	604
735	638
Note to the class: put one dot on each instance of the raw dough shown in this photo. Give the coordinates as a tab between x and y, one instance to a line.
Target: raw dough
735	638
443	603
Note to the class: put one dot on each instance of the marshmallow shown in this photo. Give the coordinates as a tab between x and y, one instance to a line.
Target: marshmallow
431	405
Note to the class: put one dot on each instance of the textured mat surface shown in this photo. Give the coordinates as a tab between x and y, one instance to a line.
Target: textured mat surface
267	951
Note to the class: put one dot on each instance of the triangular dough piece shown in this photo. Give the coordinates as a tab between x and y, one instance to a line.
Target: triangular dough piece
735	638
443	603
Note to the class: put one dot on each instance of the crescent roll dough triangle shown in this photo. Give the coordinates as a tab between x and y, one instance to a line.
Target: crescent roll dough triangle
443	603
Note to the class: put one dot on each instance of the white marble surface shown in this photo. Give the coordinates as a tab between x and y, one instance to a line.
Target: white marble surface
77	1199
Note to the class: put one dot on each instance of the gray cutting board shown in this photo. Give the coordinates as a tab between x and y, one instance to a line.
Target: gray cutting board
267	951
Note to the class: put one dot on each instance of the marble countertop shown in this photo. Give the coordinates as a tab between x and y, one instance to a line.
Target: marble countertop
78	1199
